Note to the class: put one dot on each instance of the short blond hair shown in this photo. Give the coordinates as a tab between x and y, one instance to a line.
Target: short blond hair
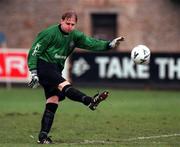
70	14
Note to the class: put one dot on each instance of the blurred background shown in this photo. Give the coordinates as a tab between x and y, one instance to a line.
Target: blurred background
155	24
152	23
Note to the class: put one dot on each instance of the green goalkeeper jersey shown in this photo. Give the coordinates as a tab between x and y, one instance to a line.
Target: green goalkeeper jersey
54	46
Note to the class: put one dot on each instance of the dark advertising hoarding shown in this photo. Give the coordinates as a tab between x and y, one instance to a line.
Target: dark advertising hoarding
117	69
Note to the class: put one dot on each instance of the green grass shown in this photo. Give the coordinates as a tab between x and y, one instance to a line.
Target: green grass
126	115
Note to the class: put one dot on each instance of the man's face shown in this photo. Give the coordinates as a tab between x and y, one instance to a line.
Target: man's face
68	24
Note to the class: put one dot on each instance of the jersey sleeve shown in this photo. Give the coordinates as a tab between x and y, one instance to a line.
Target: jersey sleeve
38	46
90	43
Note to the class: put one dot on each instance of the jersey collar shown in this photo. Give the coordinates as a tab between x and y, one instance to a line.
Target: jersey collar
64	33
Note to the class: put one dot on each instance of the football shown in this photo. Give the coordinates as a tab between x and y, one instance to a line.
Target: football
140	54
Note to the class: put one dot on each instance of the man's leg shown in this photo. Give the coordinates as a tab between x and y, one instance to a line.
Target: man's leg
76	95
47	119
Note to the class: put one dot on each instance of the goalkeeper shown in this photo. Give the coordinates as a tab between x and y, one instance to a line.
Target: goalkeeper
46	60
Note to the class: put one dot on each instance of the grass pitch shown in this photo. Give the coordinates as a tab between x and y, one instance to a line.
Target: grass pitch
126	118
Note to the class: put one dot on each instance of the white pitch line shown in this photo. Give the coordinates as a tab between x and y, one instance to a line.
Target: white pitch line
129	139
152	137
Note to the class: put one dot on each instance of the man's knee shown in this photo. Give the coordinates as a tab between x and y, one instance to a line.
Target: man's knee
62	85
53	99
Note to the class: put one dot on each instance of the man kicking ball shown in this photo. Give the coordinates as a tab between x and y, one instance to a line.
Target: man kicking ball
46	61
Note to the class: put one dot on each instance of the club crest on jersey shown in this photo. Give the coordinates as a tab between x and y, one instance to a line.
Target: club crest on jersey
72	45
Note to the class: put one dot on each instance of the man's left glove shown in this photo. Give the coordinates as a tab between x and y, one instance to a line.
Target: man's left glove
34	83
115	42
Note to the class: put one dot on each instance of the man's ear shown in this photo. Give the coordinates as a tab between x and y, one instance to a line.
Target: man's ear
61	21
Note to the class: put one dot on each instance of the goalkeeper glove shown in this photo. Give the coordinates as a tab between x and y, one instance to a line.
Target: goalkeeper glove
115	42
34	83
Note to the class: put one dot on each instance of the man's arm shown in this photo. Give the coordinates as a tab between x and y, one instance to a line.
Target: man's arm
93	44
39	45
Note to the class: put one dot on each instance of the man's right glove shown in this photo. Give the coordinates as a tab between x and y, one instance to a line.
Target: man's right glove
34	83
115	42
